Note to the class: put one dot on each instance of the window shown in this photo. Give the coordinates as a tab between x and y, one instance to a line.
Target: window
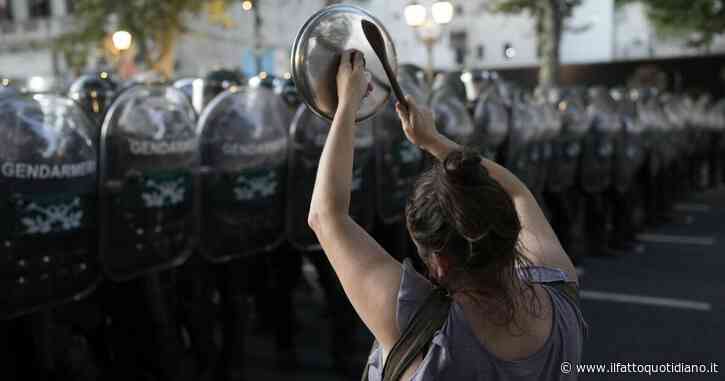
6	10
39	8
480	51
460	56
70	5
459	43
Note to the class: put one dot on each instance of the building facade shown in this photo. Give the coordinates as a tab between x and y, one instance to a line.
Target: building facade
26	27
476	38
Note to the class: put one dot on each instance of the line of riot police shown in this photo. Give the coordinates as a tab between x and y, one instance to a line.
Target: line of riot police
138	224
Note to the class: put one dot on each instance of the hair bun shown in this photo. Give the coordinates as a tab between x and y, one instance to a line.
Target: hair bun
464	168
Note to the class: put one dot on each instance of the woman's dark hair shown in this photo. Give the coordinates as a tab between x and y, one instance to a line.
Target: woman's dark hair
459	211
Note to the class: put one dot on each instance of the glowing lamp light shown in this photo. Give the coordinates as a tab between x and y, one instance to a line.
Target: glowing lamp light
247	5
442	12
287	75
263	75
122	40
466	76
415	14
104	75
37	84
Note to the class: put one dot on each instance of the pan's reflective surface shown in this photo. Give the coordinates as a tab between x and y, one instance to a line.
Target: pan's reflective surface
316	56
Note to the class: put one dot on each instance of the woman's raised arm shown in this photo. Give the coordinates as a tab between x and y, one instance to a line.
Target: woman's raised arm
369	275
538	239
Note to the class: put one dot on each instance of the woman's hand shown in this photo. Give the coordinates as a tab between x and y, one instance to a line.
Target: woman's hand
418	124
352	80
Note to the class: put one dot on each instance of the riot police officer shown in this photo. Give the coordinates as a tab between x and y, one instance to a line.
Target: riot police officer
48	225
149	224
307	136
94	93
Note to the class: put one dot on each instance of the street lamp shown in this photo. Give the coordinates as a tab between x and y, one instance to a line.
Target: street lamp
428	29
122	40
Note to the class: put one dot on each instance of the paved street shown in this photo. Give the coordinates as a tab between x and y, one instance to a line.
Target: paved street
673	291
662	302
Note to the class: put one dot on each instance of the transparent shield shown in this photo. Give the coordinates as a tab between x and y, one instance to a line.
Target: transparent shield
522	150
48	223
244	161
307	138
453	120
491	117
149	161
598	146
397	165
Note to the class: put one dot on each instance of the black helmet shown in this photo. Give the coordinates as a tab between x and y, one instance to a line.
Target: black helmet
94	93
289	93
217	81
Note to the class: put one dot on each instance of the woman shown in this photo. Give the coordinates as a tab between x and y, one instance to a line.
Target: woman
476	227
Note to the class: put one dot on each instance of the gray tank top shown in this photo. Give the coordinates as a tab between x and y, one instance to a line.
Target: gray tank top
456	353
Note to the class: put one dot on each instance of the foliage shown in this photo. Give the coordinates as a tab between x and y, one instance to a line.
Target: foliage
701	20
549	16
533	7
154	24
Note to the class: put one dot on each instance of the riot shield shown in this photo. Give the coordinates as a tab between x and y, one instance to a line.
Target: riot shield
288	91
566	146
629	153
193	88
397	165
598	143
650	134
522	147
453	120
148	183
244	165
397	161
549	126
717	115
307	138
48	248
491	117
700	122
415	73
452	84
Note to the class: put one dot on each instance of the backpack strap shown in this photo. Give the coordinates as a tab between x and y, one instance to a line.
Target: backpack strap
426	321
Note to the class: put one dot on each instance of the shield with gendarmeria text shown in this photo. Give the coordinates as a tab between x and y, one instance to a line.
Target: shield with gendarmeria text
148	182
48	247
307	138
492	120
244	173
597	156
